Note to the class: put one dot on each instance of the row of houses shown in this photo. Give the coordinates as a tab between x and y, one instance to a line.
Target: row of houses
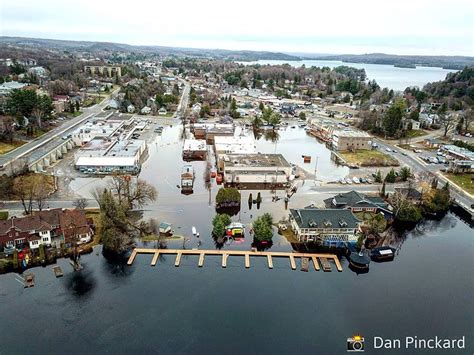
49	227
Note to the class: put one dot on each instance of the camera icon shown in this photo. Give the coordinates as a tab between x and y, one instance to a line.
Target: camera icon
355	344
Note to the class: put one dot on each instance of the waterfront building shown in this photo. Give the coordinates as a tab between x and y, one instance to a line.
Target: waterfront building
49	227
194	149
208	131
329	227
261	169
348	139
358	202
225	145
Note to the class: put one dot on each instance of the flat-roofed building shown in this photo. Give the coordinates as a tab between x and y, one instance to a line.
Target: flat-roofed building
348	139
261	169
96	128
122	156
194	149
208	131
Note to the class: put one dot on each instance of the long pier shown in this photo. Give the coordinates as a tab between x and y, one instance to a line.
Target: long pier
269	255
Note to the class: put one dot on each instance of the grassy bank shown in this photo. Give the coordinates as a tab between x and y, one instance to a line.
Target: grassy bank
465	181
369	158
7	147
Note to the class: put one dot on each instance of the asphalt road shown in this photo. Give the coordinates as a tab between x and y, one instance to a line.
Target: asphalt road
54	134
418	166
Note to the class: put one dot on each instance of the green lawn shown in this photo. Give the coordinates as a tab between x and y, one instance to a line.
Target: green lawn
369	158
416	133
465	181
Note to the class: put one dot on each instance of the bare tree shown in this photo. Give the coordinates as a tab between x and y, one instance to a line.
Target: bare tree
38	114
447	122
80	203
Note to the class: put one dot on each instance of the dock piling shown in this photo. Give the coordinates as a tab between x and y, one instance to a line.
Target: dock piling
270	261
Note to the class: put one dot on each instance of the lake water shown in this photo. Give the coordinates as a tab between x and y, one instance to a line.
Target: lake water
385	75
109	308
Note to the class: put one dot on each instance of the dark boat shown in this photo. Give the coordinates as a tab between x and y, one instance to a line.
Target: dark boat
359	260
385	253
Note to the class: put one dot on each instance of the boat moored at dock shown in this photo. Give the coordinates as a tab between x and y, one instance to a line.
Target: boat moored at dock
381	254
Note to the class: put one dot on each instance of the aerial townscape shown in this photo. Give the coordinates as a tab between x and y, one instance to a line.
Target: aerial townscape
171	199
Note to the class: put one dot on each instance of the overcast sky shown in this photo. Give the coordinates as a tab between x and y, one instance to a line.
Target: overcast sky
428	27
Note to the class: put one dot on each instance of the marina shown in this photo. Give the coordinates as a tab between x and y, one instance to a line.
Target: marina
305	257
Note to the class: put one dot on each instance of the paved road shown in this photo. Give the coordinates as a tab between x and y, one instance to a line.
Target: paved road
418	166
56	133
184	101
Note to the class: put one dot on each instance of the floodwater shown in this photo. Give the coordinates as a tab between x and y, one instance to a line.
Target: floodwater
108	308
111	308
385	75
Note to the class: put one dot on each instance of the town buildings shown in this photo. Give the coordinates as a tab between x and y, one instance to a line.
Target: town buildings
106	157
107	70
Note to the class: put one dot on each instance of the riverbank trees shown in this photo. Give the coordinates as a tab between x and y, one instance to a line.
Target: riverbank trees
120	217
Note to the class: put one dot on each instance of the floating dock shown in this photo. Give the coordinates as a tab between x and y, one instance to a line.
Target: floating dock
57	271
29	280
269	255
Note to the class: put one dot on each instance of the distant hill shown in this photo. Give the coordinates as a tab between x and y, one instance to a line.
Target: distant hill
406	61
239	55
457	90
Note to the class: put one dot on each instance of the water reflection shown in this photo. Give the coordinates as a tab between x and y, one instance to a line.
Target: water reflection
80	283
262	246
271	135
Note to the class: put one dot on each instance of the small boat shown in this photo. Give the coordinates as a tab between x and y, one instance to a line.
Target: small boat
348	181
359	260
219	179
193	229
381	254
356	180
307	158
213	174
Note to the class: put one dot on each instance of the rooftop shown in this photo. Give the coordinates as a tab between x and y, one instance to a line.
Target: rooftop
324	218
194	144
255	160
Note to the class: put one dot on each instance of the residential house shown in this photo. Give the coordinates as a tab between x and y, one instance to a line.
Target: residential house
329	227
49	228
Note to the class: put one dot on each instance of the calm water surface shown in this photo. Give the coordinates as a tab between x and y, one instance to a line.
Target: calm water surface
385	75
107	308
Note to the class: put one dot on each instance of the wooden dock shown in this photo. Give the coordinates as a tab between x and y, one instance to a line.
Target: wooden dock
269	255
57	271
29	280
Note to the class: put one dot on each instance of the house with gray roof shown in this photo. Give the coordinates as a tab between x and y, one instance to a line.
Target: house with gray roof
358	202
329	227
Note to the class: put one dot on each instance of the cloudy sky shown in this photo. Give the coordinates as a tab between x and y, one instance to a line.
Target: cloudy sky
429	27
